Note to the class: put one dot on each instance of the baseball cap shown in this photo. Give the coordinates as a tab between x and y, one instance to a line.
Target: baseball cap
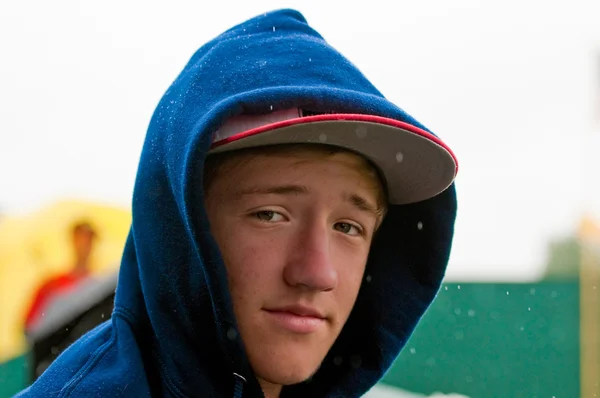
414	164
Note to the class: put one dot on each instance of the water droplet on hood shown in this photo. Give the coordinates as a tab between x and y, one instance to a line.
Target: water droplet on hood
399	157
413	350
323	137
419	225
231	334
273	28
355	361
368	278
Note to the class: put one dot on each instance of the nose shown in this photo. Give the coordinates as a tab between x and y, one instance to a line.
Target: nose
309	264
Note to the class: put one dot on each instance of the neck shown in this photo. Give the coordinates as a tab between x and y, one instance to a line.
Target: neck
80	268
270	390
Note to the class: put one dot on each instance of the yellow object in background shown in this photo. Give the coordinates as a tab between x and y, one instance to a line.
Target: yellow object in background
38	246
589	289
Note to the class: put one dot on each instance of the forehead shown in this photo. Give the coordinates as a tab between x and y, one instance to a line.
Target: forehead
286	158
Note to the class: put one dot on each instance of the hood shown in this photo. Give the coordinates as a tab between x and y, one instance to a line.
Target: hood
172	283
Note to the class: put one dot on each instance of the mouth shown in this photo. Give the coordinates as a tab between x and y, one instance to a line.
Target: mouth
297	319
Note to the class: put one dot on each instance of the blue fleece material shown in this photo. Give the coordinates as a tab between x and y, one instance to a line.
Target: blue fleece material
173	331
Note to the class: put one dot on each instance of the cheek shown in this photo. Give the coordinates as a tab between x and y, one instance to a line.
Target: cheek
350	274
252	270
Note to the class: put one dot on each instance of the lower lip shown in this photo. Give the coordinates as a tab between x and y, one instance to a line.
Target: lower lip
296	323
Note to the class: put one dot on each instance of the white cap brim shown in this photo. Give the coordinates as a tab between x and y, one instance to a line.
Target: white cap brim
415	164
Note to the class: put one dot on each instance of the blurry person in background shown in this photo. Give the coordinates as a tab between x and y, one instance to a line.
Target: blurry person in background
83	237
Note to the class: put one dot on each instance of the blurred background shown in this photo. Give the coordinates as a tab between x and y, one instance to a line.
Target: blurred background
513	87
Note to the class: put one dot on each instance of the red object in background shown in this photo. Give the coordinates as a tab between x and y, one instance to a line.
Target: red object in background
48	291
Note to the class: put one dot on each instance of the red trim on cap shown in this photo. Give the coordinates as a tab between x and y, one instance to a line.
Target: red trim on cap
339	116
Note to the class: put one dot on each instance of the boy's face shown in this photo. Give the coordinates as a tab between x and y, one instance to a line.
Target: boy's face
294	230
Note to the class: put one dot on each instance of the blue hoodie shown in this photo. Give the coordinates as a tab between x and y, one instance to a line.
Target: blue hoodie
173	332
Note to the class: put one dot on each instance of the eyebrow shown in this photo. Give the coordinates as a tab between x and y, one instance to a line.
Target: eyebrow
356	200
362	204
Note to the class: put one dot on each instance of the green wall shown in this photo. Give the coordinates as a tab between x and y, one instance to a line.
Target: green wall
13	376
496	340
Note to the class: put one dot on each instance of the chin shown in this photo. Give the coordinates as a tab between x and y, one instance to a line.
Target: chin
288	373
287	378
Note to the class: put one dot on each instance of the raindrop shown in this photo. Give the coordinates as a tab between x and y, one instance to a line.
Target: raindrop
399	157
471	313
457	311
323	137
361	132
355	361
458	287
507	293
337	361
532	291
310	60
43	314
413	350
273	28
103	315
445	287
419	225
528	308
231	334
271	107
522	328
368	278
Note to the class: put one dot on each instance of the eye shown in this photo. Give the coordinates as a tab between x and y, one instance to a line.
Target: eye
347	228
268	216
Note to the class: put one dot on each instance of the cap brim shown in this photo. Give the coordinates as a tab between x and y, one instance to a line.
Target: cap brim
415	164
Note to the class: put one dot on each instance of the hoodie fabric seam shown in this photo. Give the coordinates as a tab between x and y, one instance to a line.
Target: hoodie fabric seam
127	316
94	359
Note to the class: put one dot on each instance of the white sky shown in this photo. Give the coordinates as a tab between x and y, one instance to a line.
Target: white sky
513	87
